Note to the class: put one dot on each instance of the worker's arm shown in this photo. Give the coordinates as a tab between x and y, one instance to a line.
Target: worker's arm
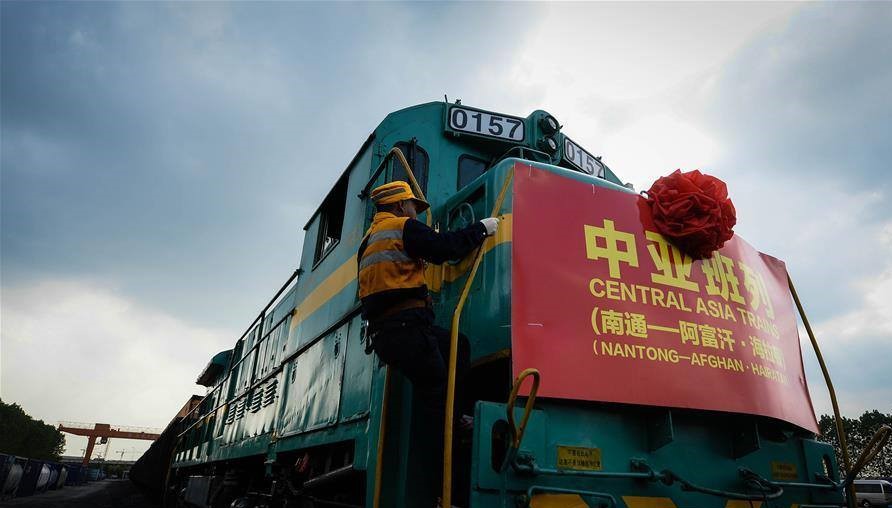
423	242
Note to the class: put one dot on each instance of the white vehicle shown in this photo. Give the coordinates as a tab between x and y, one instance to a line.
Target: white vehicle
870	493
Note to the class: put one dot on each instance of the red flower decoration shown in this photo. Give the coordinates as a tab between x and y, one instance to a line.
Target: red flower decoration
693	211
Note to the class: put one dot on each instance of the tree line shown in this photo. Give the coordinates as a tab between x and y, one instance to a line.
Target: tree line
858	433
24	436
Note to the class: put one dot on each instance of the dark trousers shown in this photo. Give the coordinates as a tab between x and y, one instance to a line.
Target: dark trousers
411	343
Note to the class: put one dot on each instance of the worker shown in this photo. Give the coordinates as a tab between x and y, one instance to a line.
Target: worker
395	299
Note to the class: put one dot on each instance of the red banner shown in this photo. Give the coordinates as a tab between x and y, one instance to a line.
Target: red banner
608	310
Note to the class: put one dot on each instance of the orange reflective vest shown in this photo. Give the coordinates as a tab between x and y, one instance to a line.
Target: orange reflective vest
384	264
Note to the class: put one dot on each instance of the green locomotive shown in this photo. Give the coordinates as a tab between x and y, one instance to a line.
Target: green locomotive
293	412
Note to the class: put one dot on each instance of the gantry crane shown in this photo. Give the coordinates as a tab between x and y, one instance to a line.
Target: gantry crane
104	432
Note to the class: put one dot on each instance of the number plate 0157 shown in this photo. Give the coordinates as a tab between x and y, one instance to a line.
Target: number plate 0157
583	160
579	458
486	124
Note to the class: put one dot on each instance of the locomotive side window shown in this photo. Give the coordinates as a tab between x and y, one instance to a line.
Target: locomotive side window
331	220
469	168
418	161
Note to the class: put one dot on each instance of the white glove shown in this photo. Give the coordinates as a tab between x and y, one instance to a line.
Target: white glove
491	224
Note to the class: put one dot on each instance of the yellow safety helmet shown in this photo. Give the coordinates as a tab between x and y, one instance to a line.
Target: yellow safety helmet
397	191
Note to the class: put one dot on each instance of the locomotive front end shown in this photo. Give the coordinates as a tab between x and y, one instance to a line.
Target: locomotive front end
661	380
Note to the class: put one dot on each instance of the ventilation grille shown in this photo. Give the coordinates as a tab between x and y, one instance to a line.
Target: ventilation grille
269	393
255	400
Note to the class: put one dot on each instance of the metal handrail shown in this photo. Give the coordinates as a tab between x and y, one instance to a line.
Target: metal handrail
275	297
396	152
870	451
767	490
453	356
517	432
522	149
840	430
382	424
528	408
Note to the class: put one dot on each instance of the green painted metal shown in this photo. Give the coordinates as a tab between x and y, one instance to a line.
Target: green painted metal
216	368
300	377
700	451
313	379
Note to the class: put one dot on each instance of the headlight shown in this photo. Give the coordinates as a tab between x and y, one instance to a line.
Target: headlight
549	124
548	144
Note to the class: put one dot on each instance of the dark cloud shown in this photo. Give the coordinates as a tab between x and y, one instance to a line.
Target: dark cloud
175	150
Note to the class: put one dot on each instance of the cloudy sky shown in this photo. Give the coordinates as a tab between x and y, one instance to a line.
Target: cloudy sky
160	159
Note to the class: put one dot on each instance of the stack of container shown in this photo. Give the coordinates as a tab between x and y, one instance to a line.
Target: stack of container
11	471
20	477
